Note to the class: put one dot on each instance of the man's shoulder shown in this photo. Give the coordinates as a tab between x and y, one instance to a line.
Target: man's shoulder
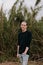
28	31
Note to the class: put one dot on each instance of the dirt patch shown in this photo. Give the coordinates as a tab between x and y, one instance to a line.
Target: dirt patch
17	63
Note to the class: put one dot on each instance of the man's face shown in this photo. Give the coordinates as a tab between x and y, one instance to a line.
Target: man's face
23	26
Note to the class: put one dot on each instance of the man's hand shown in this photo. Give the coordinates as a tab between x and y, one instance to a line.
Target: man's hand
24	53
17	55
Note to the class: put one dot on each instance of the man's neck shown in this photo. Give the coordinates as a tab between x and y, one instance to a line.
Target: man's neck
24	30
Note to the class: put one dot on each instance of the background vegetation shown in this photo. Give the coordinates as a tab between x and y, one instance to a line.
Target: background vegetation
9	30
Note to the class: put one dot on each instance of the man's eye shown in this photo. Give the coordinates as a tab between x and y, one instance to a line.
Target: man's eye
23	25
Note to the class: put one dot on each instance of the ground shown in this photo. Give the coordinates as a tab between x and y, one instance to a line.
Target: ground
17	63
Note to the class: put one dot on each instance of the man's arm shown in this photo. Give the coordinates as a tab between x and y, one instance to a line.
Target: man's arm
17	51
26	50
18	45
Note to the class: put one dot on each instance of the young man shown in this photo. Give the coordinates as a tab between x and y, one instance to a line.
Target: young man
24	39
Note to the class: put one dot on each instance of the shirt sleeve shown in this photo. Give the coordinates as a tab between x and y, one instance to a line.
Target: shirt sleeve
29	38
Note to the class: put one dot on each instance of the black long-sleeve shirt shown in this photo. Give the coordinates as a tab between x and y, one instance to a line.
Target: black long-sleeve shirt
24	39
